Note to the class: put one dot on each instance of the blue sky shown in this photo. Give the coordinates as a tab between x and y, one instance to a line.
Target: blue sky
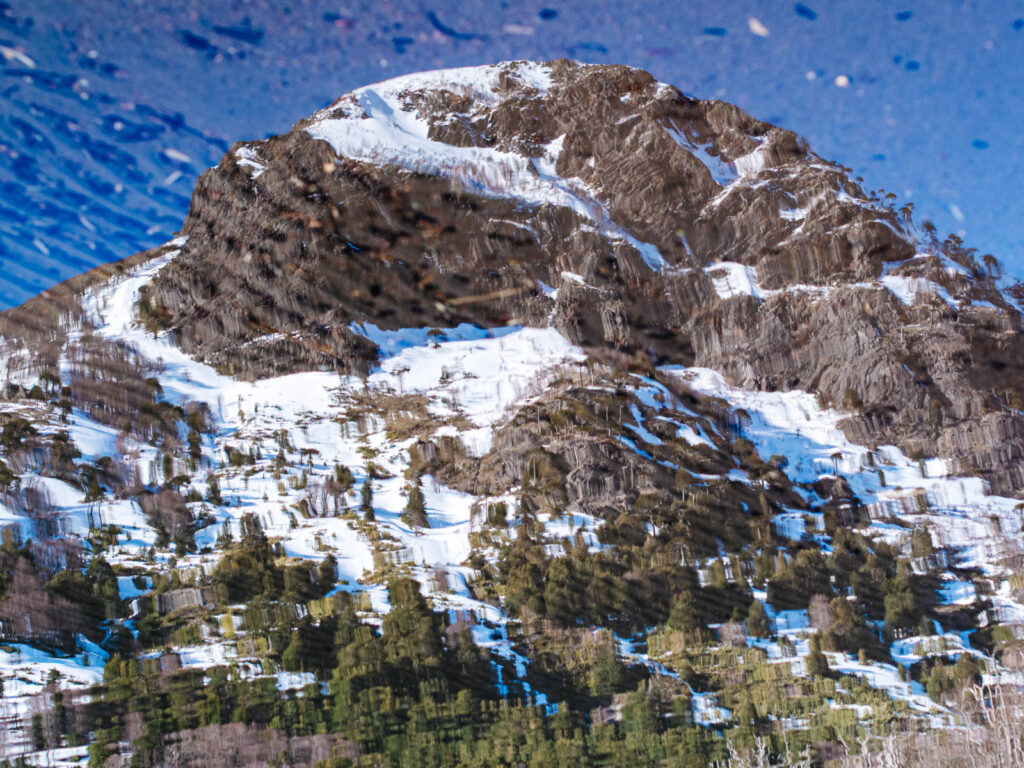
109	110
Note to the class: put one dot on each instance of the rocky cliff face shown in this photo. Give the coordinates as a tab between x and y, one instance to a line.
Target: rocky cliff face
615	209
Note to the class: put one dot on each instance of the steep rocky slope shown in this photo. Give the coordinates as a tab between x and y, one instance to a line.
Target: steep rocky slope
658	408
616	210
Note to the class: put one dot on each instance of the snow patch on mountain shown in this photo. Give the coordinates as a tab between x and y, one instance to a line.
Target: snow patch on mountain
907	289
732	279
384	130
247	157
752	163
479	83
721	170
381	128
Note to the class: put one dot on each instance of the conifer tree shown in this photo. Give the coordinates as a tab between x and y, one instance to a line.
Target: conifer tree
343	476
291	658
718	577
366	499
747	713
607	673
816	663
327	570
213	495
415	513
757	620
683	616
7	479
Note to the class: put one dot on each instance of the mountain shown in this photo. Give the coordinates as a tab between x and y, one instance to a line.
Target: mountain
531	396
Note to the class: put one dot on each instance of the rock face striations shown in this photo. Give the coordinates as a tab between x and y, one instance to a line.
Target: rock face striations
617	210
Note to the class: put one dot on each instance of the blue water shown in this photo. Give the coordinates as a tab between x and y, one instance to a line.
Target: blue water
110	110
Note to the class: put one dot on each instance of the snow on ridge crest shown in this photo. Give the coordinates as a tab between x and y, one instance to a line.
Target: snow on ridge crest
389	134
481	83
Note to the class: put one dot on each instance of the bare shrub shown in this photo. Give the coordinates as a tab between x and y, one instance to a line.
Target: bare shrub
31	613
987	734
244	746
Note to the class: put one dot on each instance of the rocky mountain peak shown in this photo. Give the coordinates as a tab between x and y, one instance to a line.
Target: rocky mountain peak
613	208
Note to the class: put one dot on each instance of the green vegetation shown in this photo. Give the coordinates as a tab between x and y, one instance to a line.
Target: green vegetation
415	512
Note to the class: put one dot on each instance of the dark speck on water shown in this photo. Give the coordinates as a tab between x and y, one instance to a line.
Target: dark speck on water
103	68
49	80
979	144
912	66
904	15
444	29
803	10
1018	24
715	31
548	14
597	47
192	40
246	34
31	136
338	20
